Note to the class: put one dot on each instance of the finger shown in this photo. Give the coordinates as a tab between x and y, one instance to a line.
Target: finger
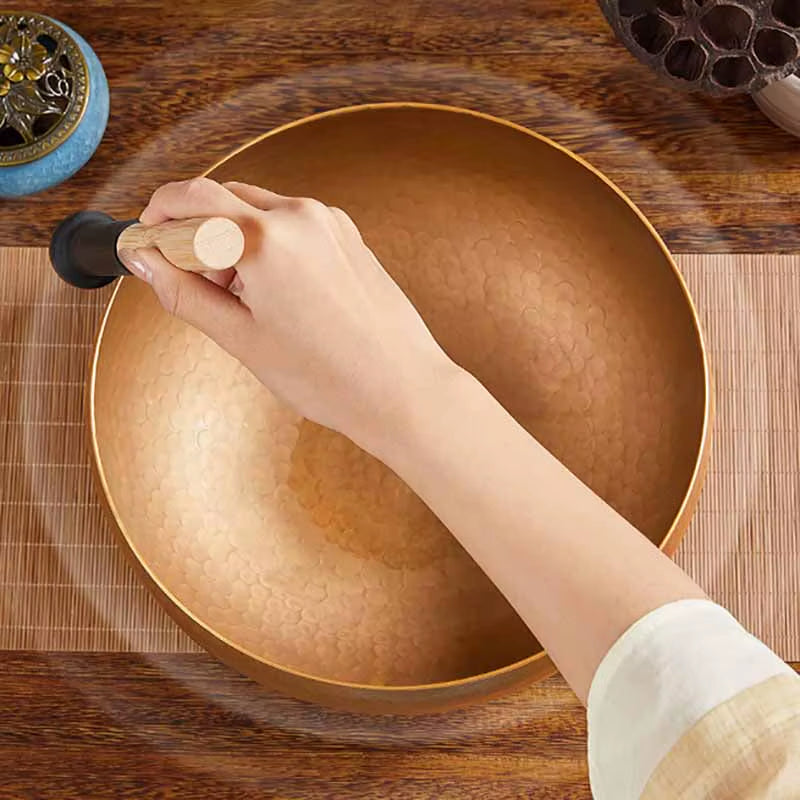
222	277
256	196
198	197
192	298
236	286
345	223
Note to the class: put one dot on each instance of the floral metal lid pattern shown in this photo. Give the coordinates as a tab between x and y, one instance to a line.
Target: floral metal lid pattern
44	87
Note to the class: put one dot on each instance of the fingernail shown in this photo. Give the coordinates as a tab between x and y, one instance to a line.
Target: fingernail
136	264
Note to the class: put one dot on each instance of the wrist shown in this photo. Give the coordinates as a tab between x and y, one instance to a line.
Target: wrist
434	390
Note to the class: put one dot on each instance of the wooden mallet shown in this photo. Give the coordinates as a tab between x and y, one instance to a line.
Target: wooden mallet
85	247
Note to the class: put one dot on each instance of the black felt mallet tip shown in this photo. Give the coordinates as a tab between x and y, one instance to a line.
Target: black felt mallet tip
83	249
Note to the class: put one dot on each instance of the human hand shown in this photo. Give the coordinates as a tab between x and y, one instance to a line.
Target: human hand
309	309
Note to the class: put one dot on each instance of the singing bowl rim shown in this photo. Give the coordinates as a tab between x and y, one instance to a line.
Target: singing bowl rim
534	667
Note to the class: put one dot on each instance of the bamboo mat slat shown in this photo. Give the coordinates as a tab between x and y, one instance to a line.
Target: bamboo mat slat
65	586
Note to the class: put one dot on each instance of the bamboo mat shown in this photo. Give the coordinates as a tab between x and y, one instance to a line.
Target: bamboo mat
64	585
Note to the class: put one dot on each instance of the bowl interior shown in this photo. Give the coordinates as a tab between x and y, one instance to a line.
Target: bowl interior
286	540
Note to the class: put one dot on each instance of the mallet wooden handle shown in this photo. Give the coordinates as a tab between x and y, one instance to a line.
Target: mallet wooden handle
193	245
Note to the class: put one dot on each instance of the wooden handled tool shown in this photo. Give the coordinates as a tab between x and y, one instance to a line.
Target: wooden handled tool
85	247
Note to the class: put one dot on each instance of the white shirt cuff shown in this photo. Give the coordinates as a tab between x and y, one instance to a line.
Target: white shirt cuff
659	678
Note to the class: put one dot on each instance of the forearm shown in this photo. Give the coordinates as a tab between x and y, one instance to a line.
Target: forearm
576	572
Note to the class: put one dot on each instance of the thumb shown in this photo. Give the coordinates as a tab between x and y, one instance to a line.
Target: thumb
193	298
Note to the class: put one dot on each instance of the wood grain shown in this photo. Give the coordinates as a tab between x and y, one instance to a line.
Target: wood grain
79	726
187	86
191	244
166	726
189	83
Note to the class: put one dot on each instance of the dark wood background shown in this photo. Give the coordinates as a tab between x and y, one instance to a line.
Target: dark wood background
91	726
192	80
189	82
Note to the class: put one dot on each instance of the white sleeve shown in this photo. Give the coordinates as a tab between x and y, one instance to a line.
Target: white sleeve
659	678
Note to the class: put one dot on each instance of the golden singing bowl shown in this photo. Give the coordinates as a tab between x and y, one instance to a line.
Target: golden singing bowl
307	564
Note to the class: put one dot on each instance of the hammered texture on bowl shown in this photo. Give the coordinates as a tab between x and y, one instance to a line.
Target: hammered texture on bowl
290	545
715	46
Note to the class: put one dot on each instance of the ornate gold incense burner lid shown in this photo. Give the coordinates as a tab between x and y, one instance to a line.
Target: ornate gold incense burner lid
44	86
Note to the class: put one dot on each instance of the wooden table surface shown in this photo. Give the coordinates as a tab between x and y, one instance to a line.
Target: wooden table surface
191	81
